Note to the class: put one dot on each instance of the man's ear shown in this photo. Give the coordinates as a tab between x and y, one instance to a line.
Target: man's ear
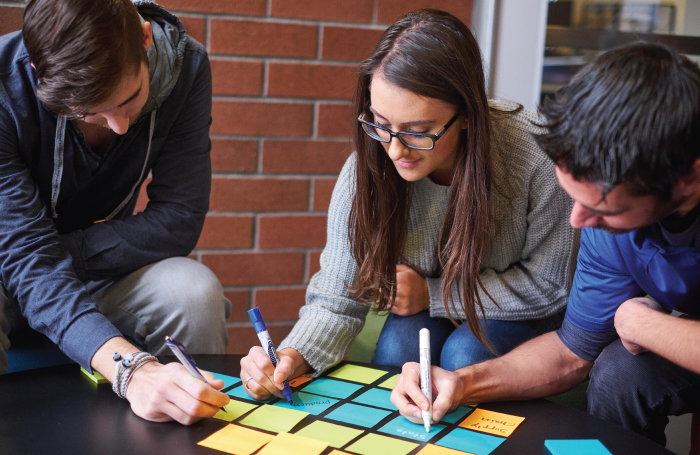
32	65
147	34
689	184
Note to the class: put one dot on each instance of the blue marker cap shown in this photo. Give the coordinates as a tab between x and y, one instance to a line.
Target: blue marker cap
257	320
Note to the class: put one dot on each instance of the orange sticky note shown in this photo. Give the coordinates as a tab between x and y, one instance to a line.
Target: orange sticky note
299	381
491	422
338	452
236	440
431	449
291	444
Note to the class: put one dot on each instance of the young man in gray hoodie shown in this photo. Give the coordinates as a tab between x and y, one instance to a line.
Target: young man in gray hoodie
95	95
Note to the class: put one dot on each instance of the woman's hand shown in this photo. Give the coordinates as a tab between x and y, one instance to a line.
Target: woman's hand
261	379
411	292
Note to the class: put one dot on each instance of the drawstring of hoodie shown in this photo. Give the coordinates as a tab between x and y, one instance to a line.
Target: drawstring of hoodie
58	166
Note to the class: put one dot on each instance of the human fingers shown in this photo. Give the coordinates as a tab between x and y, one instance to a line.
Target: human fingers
218	384
256	373
284	370
407	396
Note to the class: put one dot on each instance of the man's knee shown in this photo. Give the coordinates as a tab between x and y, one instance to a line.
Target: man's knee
191	287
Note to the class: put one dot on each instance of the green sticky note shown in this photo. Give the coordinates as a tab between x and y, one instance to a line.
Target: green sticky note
389	383
335	435
373	444
234	409
356	373
274	418
96	377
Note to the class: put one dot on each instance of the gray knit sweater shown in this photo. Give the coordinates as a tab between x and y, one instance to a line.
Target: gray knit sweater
526	269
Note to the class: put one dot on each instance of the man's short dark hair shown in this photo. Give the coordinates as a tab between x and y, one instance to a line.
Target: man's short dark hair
630	116
81	50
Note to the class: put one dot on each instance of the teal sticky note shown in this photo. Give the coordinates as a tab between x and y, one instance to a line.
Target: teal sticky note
470	441
376	397
239	392
407	429
355	414
313	404
575	447
228	380
456	415
332	388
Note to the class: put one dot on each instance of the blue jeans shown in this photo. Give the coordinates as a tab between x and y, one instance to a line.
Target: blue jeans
639	392
450	347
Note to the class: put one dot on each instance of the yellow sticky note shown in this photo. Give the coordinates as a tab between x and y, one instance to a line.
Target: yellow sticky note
338	452
357	373
96	377
390	383
291	444
234	409
491	422
236	440
431	449
274	418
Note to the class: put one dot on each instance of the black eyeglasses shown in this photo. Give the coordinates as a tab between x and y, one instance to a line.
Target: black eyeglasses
418	141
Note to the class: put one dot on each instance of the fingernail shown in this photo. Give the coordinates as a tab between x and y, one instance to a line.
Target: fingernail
418	414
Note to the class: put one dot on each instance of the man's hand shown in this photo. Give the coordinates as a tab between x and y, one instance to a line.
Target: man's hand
411	292
448	390
161	393
628	318
261	379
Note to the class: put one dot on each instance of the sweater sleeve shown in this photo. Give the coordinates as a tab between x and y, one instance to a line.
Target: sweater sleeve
536	279
331	319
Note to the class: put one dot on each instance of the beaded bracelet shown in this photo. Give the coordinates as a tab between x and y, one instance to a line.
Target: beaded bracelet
125	368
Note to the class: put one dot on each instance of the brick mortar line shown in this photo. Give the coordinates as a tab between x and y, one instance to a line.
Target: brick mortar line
317	61
272	100
286	20
283	138
264	287
246	214
232	176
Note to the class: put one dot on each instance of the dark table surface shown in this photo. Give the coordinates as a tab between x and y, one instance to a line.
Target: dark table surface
57	410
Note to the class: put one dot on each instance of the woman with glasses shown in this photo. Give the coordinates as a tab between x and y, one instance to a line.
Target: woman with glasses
448	216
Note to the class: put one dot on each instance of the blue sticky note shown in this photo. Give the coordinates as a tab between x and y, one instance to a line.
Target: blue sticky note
332	388
376	397
313	404
407	429
575	447
457	414
228	380
355	414
239	392
470	441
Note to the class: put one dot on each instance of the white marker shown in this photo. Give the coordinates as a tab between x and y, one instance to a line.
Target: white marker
425	381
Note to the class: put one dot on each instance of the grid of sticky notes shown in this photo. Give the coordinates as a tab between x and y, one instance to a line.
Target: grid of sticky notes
349	411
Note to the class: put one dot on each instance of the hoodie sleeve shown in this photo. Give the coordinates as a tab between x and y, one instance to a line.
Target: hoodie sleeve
178	192
34	267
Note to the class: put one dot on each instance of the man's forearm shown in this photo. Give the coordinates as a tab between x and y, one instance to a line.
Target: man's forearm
103	362
539	368
675	339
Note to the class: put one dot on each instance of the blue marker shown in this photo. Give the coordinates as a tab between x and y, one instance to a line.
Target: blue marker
268	347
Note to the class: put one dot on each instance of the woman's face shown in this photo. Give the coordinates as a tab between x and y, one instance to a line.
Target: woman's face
401	110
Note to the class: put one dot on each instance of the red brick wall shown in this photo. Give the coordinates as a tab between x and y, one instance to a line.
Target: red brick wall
283	79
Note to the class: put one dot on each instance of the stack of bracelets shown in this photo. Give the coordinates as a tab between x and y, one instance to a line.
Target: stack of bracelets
125	368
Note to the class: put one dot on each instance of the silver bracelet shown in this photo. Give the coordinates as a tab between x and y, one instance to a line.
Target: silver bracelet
125	368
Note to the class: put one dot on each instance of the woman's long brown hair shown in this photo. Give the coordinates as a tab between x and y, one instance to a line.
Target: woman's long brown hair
433	54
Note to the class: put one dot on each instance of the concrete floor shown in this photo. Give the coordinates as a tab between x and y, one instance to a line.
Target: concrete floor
678	434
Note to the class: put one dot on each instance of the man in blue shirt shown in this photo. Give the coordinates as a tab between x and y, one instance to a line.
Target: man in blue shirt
625	136
95	95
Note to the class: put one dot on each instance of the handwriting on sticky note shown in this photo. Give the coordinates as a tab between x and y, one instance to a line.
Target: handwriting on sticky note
492	422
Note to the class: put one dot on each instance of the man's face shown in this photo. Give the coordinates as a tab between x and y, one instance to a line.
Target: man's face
618	213
124	106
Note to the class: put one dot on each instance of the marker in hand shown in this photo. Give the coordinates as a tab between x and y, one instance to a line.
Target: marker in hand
268	347
185	359
425	381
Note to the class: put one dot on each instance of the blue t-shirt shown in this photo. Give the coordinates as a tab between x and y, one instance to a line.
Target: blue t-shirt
613	268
